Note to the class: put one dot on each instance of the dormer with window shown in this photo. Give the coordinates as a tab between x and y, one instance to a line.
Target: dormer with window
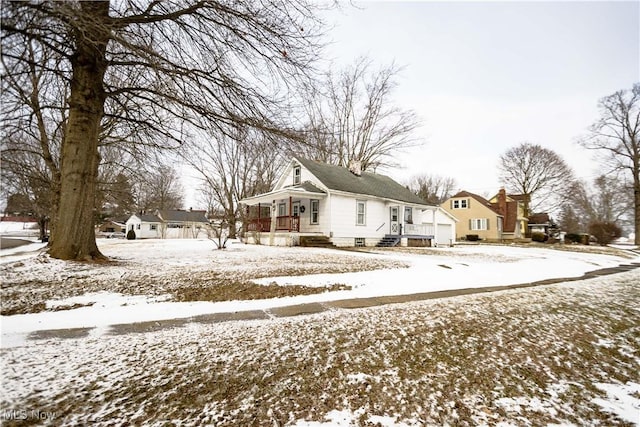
460	204
297	172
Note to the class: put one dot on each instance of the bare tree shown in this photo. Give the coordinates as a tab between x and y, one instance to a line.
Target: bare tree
352	117
169	63
538	173
616	136
433	189
608	200
235	168
116	196
159	189
33	119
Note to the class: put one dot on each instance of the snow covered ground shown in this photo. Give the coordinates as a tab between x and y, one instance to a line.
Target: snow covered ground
562	354
138	286
12	228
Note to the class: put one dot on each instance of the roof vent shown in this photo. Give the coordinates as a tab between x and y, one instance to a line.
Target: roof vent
355	167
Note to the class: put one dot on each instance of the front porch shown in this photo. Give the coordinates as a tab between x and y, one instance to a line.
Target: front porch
282	223
295	209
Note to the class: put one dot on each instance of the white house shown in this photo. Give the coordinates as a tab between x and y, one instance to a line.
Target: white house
169	224
347	206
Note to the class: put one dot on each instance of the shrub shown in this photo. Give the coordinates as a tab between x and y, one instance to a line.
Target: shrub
473	237
539	237
573	238
605	232
131	235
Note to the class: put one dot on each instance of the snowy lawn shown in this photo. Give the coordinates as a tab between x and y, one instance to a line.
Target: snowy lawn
178	270
562	354
151	280
566	353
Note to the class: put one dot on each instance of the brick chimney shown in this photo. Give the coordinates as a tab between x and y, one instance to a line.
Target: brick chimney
502	202
355	167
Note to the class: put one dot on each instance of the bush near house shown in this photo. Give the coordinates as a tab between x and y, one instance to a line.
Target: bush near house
605	232
577	238
131	235
472	237
539	237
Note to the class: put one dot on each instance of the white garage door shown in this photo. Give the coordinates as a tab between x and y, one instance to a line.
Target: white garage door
444	234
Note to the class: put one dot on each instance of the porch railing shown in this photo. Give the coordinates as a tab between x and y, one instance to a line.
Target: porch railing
283	223
418	229
259	224
289	223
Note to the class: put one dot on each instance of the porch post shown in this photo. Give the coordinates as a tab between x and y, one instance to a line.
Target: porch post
435	228
290	212
272	229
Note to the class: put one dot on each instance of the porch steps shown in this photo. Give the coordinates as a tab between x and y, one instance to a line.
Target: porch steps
388	241
316	242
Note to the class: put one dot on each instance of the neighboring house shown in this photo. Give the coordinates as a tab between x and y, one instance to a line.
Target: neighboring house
169	224
113	225
500	218
540	223
511	207
345	205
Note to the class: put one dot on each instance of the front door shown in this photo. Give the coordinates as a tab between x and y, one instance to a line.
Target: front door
295	212
394	220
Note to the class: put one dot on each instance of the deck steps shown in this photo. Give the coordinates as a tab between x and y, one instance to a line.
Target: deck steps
388	241
316	242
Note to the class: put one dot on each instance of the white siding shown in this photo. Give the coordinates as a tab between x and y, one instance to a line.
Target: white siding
287	179
142	229
446	228
343	218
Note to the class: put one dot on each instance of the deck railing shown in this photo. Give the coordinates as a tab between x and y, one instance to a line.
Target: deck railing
283	223
259	224
418	229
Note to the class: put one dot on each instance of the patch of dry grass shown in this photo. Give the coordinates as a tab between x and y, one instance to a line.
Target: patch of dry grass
23	293
245	290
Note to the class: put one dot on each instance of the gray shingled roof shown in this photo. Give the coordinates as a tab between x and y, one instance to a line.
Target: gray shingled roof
148	218
183	216
371	184
307	186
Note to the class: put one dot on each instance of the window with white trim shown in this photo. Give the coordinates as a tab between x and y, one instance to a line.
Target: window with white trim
297	173
408	215
478	224
153	227
460	204
282	209
315	211
361	212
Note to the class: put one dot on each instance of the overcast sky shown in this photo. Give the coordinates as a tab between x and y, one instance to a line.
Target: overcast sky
486	76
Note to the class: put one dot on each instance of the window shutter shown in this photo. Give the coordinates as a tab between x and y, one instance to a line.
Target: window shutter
468	203
470	224
451	203
487	221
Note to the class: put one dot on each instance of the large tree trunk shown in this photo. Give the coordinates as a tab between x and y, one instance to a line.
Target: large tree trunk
636	206
73	236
